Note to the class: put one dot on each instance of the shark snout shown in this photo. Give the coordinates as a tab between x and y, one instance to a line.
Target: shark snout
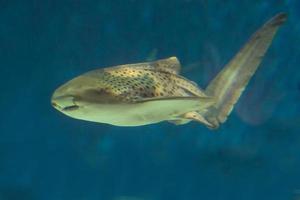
64	103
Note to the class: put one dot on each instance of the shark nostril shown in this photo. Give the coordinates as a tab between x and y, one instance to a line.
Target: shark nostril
54	104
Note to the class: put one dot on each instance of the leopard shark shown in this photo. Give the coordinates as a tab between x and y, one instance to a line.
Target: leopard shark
152	92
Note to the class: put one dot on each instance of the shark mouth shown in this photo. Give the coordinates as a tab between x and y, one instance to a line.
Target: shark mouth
70	108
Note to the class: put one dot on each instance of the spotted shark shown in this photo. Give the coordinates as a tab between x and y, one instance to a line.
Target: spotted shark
151	92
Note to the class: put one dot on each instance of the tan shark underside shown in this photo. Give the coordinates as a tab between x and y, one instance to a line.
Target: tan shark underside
147	111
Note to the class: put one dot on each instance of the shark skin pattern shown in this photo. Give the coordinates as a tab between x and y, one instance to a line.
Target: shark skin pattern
152	92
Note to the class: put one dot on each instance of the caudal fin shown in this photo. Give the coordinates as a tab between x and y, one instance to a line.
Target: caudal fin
229	84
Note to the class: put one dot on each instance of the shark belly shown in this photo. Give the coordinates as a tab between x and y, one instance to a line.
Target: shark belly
138	114
122	115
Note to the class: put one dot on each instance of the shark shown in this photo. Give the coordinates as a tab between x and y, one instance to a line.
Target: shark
152	92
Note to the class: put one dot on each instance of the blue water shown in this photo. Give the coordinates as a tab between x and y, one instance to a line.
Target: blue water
46	155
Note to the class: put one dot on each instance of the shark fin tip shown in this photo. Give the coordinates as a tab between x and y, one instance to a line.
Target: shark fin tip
279	19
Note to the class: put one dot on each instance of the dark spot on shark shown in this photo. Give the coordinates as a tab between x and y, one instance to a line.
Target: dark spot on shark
145	95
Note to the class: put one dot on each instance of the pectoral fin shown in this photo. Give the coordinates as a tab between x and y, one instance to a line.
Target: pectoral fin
195	116
179	121
198	118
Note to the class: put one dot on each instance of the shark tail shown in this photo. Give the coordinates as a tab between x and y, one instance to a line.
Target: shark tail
229	84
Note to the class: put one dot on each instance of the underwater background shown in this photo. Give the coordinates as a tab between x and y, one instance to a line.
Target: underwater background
47	155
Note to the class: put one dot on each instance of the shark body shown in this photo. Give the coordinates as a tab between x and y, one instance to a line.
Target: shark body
151	92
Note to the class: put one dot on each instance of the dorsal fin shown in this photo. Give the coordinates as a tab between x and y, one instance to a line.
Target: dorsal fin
170	65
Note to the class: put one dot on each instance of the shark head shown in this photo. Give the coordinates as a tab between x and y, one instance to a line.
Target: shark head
84	95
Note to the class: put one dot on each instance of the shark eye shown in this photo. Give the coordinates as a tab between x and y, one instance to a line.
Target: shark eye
102	96
95	95
95	92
